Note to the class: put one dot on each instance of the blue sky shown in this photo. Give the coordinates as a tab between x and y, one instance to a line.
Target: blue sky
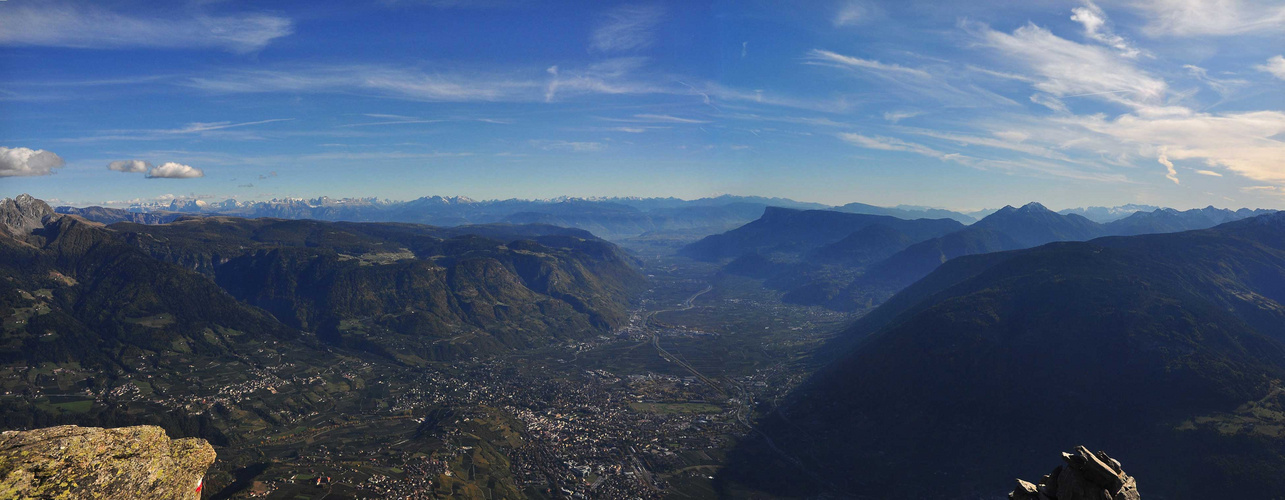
949	104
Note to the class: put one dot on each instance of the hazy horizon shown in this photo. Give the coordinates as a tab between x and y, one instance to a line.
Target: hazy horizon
166	200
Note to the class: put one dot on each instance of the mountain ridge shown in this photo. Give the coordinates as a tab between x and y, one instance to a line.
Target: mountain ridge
1109	340
856	281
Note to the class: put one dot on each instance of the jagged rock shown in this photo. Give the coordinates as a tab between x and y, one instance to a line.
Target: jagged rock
1086	476
22	214
90	462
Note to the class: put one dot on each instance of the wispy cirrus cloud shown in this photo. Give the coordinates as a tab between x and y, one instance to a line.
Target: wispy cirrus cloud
207	129
572	146
1011	140
910	84
825	57
406	83
891	144
855	12
1096	28
712	92
657	118
1063	68
1025	165
1153	128
387	119
459	4
896	116
815	121
1223	86
617	76
89	26
626	28
196	127
1183	18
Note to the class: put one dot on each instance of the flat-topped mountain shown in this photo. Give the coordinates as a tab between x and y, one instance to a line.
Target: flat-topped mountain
1169	347
906	212
782	230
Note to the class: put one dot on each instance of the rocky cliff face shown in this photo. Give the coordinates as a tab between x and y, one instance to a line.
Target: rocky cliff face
1085	476
89	462
20	215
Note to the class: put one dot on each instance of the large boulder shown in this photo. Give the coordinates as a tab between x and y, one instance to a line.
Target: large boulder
89	462
1085	476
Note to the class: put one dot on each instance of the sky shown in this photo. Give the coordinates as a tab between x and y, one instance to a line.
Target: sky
961	105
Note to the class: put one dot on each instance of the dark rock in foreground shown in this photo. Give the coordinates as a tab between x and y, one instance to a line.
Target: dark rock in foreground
89	462
1086	476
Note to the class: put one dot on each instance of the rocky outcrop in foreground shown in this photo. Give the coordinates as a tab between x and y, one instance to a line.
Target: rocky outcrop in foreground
1085	476
89	462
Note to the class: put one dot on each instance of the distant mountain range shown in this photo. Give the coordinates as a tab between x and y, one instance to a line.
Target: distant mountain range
822	261
1169	347
1103	215
611	218
906	212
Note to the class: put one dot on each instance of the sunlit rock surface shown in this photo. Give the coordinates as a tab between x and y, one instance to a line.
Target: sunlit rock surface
1085	476
70	462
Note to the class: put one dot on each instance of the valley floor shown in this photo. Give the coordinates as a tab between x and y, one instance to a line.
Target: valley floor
648	411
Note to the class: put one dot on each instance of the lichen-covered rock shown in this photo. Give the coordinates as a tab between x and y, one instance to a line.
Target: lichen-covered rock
70	462
1086	476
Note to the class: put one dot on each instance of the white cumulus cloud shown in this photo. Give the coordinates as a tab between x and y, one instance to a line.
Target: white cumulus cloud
25	162
172	170
129	166
1275	65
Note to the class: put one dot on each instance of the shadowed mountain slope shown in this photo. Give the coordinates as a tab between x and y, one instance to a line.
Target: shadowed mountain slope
1168	348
